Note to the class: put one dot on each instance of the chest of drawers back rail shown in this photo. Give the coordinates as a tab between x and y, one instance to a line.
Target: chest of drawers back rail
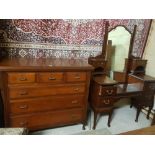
39	96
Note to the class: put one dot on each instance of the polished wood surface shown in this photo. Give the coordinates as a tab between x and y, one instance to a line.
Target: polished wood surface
144	131
49	77
47	119
21	78
104	80
49	64
102	97
24	106
44	93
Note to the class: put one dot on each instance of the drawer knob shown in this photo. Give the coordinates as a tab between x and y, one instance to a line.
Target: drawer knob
77	77
106	101
109	92
52	78
23	93
75	101
23	79
23	106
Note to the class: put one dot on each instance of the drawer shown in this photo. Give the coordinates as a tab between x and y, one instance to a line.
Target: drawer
76	76
105	102
46	103
107	90
38	91
17	78
47	119
50	77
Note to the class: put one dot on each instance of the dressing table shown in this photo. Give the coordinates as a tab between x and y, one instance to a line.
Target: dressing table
130	83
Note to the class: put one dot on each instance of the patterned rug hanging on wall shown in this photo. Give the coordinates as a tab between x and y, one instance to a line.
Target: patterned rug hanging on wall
67	38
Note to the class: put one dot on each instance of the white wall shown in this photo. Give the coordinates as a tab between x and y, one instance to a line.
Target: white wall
149	52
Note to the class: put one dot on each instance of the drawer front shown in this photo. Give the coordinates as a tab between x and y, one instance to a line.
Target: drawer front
105	102
19	78
107	90
50	77
27	92
76	76
49	103
47	119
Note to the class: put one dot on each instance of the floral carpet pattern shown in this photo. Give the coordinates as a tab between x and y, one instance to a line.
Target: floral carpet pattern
64	38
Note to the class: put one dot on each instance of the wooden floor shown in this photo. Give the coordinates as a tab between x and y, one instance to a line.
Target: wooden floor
144	131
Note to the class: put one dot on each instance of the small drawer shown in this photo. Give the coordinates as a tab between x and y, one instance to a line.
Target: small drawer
50	77
76	76
107	90
106	102
19	78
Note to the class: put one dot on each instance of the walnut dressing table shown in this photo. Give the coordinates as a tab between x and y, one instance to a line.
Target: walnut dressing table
105	92
44	93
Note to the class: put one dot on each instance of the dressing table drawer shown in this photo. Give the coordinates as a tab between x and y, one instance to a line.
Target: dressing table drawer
76	76
105	102
107	90
21	78
49	77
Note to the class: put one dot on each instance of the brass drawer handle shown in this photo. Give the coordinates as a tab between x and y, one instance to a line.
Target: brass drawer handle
77	77
23	93
75	101
23	79
106	102
109	92
23	106
52	78
76	89
23	123
73	116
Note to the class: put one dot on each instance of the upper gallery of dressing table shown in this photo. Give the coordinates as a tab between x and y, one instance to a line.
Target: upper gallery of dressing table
137	86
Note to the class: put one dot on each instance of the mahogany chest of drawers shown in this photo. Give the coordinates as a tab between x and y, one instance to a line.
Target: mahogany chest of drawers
44	93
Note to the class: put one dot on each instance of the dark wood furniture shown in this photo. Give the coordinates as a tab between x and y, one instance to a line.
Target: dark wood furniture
44	93
105	92
144	131
131	83
102	96
146	99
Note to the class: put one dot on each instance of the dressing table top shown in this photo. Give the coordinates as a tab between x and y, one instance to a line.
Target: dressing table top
143	77
104	80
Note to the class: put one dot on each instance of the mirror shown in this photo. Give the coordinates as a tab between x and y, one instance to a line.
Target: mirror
120	38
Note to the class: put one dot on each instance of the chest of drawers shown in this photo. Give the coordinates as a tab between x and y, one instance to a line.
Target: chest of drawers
40	96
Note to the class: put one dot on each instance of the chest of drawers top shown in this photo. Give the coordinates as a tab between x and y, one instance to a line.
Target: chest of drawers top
44	64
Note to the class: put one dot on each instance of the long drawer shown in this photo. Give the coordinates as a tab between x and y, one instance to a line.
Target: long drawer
47	119
45	104
38	91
